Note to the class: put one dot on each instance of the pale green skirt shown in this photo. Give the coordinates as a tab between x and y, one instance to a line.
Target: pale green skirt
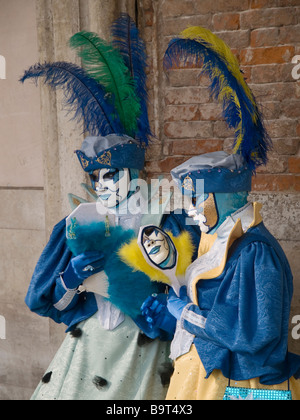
107	365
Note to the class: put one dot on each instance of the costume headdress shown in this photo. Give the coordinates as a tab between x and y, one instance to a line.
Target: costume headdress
108	94
198	47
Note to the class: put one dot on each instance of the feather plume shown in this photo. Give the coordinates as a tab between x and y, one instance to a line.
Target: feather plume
84	96
200	47
132	48
104	63
127	291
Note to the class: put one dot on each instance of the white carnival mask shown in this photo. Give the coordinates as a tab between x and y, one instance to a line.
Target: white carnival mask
111	185
156	246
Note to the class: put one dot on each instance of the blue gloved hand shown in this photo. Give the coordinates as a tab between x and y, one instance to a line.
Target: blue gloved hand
82	267
177	304
155	311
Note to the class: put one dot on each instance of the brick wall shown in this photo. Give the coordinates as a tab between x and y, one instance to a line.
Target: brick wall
265	36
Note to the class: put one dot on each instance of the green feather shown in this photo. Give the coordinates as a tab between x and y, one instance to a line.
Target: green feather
104	63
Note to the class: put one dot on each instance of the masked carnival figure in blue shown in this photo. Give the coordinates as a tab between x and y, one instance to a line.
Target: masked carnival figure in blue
81	278
231	339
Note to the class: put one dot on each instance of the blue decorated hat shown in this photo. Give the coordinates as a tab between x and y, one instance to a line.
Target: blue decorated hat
112	151
107	95
220	171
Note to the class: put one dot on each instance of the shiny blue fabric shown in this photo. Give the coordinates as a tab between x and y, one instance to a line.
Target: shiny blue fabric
247	313
46	288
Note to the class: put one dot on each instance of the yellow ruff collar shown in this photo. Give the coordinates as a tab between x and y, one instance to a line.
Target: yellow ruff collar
131	255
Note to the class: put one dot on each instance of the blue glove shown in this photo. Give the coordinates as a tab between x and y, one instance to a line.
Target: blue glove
155	311
177	304
82	267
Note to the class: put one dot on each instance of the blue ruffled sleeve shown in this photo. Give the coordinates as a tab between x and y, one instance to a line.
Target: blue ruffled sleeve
251	306
244	311
47	295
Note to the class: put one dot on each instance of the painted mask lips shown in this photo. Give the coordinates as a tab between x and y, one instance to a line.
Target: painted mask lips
104	197
155	250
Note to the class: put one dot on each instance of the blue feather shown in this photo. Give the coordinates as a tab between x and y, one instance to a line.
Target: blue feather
84	96
128	289
256	142
132	48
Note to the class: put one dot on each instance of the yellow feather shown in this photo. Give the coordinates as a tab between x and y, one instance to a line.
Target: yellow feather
131	255
217	44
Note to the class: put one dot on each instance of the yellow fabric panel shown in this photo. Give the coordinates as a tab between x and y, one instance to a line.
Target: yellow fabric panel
206	243
188	381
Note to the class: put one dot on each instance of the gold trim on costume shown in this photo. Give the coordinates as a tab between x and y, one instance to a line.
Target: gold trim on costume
104	159
188	183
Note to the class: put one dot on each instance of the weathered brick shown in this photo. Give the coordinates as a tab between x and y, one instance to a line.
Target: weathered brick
276	164
294	165
164	165
186	77
211	112
207	6
274	91
235	39
226	22
291	109
148	16
269	55
289	35
271	73
282	128
198	147
221	130
263	18
278	183
154	151
148	5
182	96
264	37
175	26
271	110
174	8
182	112
188	129
284	3
204	112
259	4
286	146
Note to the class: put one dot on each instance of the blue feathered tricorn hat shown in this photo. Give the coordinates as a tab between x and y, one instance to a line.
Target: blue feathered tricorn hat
108	94
221	172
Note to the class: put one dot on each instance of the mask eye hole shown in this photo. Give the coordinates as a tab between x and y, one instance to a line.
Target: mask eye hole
194	200
110	175
94	176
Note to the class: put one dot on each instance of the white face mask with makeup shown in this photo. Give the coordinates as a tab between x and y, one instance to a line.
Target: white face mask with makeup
157	247
111	185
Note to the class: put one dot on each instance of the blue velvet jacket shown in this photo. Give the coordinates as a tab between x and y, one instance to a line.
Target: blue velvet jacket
242	317
46	288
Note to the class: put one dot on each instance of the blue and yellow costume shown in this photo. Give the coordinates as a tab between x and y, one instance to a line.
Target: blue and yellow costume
233	319
109	352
